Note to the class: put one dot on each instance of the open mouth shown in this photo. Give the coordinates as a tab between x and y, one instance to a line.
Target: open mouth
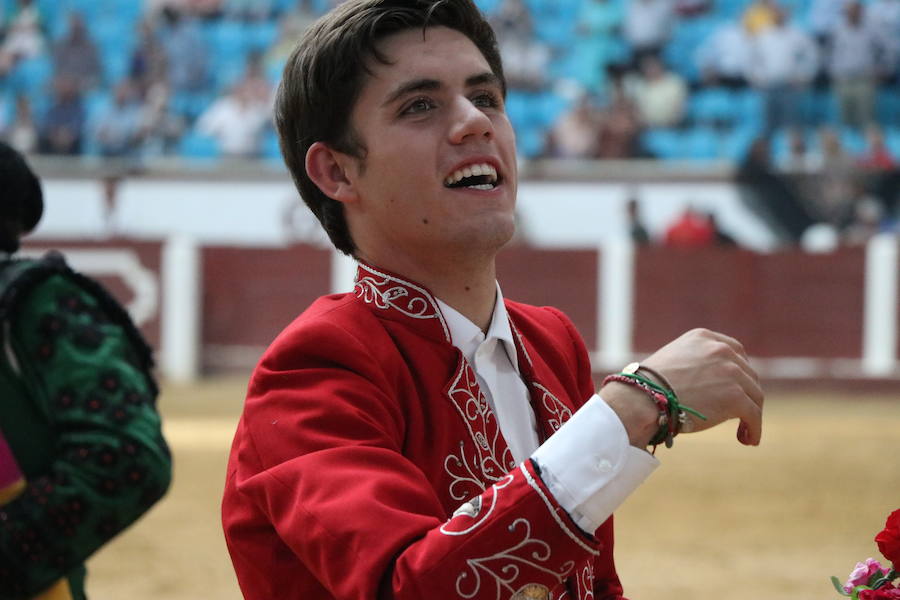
479	176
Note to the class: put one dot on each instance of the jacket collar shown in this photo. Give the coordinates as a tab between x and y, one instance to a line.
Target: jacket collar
398	299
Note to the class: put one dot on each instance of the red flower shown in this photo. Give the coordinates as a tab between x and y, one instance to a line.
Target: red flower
888	539
885	593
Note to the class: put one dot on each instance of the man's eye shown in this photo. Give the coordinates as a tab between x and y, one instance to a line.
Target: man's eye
419	105
486	100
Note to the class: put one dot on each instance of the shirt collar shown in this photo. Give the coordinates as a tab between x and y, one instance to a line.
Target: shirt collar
467	336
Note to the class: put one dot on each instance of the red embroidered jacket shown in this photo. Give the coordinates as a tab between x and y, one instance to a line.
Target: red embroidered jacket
367	463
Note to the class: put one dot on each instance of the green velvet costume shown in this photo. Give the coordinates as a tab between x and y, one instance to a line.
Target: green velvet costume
77	406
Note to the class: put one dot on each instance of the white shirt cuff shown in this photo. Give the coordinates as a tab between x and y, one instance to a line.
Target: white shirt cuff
590	467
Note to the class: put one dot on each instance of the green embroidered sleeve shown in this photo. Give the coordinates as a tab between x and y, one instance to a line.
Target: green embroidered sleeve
108	462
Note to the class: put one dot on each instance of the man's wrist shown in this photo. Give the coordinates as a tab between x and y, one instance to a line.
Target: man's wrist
638	414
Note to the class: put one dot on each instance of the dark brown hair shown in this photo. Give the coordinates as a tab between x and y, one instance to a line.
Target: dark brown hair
325	74
21	199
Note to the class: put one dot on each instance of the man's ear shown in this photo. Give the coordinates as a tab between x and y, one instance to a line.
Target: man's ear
328	169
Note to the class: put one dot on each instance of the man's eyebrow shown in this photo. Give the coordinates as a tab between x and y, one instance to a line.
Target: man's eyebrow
414	85
425	84
486	78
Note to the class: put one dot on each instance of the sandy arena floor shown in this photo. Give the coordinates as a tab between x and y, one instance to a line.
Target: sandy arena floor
717	520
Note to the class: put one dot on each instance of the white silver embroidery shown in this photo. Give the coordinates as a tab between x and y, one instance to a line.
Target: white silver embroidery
559	412
387	292
463	514
501	570
494	457
585	582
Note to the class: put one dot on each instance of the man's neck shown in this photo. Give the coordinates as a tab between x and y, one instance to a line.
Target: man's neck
470	287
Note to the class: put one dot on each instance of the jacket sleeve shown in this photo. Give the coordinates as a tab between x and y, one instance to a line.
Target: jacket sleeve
606	583
318	457
110	462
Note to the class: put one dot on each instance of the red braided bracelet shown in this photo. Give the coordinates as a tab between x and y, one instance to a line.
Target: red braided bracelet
666	426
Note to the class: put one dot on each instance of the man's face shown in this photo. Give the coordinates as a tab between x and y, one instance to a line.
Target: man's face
439	171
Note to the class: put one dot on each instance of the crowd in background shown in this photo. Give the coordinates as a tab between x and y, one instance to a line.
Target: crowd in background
784	88
184	80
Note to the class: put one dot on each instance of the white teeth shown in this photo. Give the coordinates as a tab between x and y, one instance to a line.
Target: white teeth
475	170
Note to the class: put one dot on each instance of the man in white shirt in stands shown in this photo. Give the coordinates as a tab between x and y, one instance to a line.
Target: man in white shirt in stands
423	437
783	62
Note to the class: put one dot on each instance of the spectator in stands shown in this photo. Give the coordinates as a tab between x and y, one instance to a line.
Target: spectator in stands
62	128
838	187
148	60
784	60
21	133
760	15
575	133
690	230
290	27
823	17
186	52
525	58
160	128
204	9
24	37
237	121
660	94
800	158
620	124
254	80
724	57
598	27
248	10
883	17
853	66
77	56
647	26
877	157
636	229
119	126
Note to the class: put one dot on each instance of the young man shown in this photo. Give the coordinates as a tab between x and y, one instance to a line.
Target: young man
396	441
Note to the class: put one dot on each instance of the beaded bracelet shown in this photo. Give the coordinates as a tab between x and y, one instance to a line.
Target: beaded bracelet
672	414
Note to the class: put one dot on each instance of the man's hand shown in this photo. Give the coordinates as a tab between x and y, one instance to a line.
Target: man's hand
710	373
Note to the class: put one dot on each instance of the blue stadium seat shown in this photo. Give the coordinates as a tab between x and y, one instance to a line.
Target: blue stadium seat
663	143
7	105
750	108
488	6
270	148
699	143
887	106
196	145
530	141
189	104
228	38
852	140
548	108
712	105
261	35
892	141
734	144
31	76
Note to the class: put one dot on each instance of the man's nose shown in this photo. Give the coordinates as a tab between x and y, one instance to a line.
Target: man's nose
469	122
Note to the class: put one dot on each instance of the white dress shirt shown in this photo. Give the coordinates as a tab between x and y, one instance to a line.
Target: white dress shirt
588	465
